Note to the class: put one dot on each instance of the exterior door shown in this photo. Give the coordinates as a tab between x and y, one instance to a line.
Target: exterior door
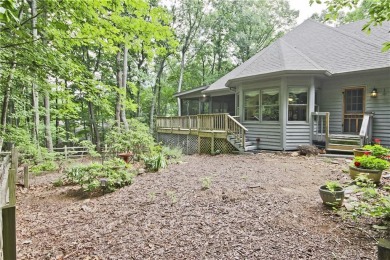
353	110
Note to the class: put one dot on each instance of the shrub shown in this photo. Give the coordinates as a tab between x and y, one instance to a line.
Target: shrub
155	162
44	167
138	139
93	177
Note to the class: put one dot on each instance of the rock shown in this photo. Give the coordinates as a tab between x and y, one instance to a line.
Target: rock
294	154
349	206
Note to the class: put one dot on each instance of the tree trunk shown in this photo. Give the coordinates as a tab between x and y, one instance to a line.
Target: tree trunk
95	130
49	139
118	96
155	90
124	83
35	94
180	81
7	96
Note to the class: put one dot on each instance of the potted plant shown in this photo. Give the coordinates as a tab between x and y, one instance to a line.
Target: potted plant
377	150
332	194
357	152
368	165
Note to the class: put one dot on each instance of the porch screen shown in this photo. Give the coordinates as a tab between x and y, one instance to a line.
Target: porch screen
297	104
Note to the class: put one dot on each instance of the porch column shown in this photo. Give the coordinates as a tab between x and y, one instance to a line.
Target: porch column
283	110
312	97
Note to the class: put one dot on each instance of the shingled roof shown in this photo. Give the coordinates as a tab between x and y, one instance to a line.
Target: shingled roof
313	47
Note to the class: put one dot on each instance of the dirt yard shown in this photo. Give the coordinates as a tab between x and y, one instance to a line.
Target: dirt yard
261	206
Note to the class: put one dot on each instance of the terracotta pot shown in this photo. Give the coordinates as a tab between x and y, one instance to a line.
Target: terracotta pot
360	152
126	156
374	175
332	198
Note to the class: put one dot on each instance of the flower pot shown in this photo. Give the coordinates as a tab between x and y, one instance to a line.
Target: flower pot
360	152
126	156
332	198
374	175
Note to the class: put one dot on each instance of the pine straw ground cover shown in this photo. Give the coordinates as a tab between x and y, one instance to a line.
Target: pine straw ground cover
263	206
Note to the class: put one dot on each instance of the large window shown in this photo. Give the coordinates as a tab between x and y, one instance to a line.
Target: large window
270	105
297	104
261	105
251	101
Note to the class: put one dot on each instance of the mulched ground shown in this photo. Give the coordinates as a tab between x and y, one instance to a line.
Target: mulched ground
261	206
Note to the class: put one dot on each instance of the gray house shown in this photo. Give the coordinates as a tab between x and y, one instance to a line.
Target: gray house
316	85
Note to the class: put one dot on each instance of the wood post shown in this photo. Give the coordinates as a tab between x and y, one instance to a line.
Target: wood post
383	249
212	143
26	177
66	152
9	233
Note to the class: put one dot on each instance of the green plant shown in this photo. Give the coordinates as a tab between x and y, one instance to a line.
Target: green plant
172	153
155	162
58	183
90	147
370	162
97	176
44	166
137	139
363	181
172	196
377	150
206	183
333	186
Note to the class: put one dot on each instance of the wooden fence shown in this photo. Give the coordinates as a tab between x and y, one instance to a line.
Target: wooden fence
8	169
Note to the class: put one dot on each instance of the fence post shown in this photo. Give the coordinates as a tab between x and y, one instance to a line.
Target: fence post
8	212
26	177
66	152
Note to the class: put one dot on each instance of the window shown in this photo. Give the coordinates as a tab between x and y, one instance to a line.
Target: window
261	105
251	101
297	104
270	105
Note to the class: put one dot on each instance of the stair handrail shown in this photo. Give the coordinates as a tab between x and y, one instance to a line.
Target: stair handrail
236	128
366	129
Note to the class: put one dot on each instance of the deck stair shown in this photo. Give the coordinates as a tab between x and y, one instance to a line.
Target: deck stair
237	143
343	143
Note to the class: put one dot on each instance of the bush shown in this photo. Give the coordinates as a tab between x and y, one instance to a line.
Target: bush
44	167
155	162
93	177
137	139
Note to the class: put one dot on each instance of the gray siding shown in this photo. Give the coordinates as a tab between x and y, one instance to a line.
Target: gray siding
331	100
297	134
269	134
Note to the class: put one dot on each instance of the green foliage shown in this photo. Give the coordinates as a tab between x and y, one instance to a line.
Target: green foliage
96	176
206	183
174	154
377	150
155	162
138	139
333	186
44	166
370	162
363	181
91	148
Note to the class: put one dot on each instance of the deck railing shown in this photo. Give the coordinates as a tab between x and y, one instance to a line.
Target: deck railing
205	122
366	129
320	128
237	129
